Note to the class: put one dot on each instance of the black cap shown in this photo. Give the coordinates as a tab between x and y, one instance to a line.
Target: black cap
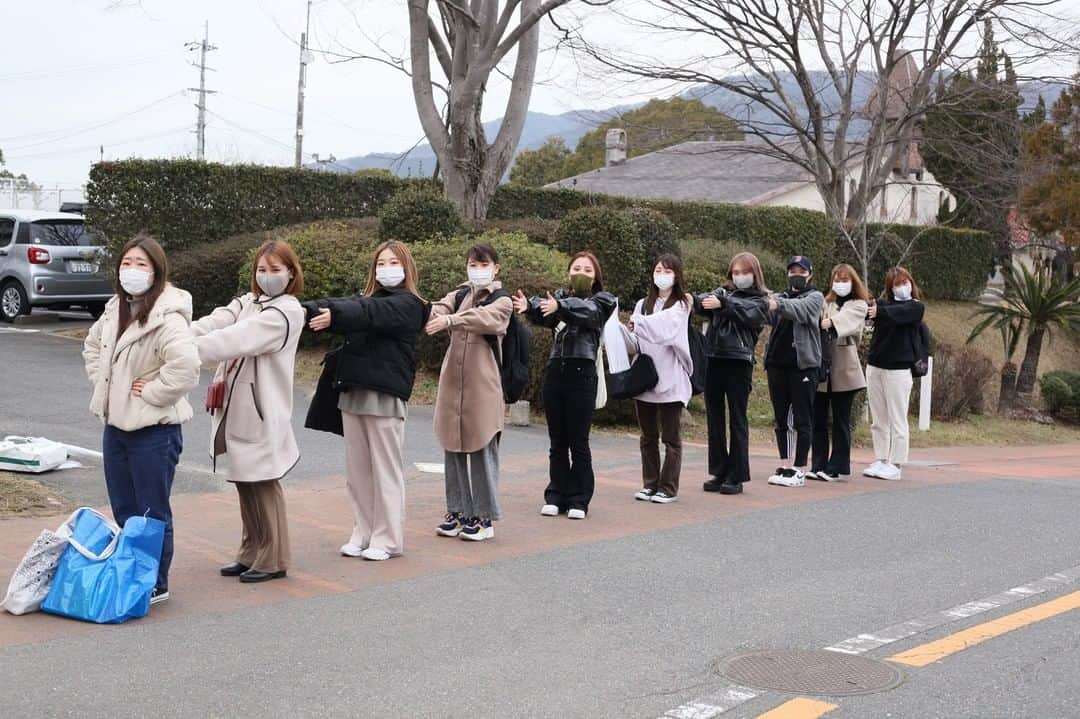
802	261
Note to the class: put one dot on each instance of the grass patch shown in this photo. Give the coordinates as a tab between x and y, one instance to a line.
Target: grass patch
21	496
75	333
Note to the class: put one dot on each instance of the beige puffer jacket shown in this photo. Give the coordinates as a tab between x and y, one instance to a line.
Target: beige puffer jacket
162	352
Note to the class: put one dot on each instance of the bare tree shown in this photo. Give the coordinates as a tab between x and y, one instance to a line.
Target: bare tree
469	39
803	64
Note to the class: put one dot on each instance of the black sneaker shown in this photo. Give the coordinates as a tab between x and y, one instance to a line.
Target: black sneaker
452	525
664	498
159	595
645	494
478	529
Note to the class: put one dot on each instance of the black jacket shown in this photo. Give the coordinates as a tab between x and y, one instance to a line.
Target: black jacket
380	331
897	334
734	327
584	320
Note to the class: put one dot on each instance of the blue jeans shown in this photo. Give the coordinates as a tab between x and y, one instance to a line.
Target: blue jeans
139	471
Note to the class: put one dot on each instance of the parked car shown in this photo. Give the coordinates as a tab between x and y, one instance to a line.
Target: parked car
51	260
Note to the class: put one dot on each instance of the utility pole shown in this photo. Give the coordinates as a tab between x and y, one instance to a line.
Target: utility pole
305	58
200	127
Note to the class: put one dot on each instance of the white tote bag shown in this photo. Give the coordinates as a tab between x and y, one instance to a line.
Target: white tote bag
33	576
31	454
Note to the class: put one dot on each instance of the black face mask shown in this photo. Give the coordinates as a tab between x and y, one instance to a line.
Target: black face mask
797	282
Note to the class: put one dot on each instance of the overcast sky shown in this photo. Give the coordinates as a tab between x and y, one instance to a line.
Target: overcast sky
77	75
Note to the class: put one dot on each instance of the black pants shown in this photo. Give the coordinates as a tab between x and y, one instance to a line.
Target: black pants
728	381
839	462
792	392
569	400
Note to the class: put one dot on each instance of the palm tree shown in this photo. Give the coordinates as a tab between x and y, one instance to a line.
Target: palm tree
1033	302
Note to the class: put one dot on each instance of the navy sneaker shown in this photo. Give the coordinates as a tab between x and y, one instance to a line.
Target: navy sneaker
478	529
452	525
159	595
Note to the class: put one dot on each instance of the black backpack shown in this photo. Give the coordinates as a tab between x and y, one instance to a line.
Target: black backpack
514	365
699	359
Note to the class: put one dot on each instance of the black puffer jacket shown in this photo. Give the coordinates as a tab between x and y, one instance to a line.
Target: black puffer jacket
735	326
584	320
380	339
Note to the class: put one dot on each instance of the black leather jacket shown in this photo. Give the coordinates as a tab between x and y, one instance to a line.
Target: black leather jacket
735	326
583	319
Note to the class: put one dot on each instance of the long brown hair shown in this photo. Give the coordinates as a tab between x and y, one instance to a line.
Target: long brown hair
598	280
751	260
401	251
286	255
159	262
678	290
898	276
858	289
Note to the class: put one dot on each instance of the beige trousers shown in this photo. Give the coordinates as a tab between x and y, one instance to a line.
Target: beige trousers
889	391
265	542
375	480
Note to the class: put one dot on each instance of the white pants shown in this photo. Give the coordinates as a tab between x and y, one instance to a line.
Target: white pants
889	391
375	480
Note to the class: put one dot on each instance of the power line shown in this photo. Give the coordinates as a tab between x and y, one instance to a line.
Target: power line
79	69
65	133
200	127
95	146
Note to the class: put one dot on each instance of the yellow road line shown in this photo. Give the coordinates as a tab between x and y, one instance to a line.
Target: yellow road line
799	708
933	651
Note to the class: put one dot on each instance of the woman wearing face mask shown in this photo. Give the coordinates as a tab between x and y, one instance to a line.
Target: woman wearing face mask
843	318
254	339
894	349
577	316
736	313
371	382
141	360
792	361
469	407
659	327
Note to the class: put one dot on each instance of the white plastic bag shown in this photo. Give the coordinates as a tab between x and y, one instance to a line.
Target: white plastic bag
31	454
33	576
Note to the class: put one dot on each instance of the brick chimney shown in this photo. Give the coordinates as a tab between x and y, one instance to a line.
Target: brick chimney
615	147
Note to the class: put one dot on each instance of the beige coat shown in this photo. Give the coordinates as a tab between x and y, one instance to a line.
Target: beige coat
469	408
162	352
255	425
848	321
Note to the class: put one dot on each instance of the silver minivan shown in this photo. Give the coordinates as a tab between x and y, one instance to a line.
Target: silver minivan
51	260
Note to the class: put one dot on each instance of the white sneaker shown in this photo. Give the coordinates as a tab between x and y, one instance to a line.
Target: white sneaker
889	471
375	555
813	475
576	514
664	498
549	510
874	469
645	494
788	478
351	550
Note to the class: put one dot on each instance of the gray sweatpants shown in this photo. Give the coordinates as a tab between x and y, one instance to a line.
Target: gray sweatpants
472	481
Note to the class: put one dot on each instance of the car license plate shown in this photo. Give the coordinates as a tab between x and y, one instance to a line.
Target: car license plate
82	267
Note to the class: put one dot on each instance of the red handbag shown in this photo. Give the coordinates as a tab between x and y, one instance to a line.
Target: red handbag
215	393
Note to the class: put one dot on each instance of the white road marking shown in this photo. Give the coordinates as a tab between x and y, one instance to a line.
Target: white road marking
14	330
733	695
430	467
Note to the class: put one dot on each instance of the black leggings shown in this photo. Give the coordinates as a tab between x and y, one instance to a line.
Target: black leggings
569	401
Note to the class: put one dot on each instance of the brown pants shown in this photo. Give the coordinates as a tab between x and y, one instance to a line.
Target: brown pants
660	421
375	480
265	542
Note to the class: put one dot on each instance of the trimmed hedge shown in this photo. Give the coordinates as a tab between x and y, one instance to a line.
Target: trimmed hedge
613	237
419	214
705	264
208	271
186	202
1061	394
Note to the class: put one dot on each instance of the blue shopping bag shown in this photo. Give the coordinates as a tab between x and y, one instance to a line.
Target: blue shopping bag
106	573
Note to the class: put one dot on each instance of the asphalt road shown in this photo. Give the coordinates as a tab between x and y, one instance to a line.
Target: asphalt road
624	627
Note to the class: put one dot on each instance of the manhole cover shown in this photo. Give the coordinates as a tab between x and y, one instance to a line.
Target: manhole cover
811	672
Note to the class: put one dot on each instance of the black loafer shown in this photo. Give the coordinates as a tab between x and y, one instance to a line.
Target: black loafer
254	575
234	570
733	488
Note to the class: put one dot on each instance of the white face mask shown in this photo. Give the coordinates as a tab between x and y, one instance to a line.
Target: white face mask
742	282
481	277
842	289
273	283
390	276
135	281
902	292
663	282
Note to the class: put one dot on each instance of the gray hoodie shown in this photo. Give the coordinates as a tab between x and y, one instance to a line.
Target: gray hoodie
804	311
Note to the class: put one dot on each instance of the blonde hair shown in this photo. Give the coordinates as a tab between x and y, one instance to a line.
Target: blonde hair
401	251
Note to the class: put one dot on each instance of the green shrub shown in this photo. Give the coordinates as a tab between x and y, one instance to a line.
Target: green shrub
1061	393
659	236
185	202
209	270
542	232
614	239
706	264
524	265
416	215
